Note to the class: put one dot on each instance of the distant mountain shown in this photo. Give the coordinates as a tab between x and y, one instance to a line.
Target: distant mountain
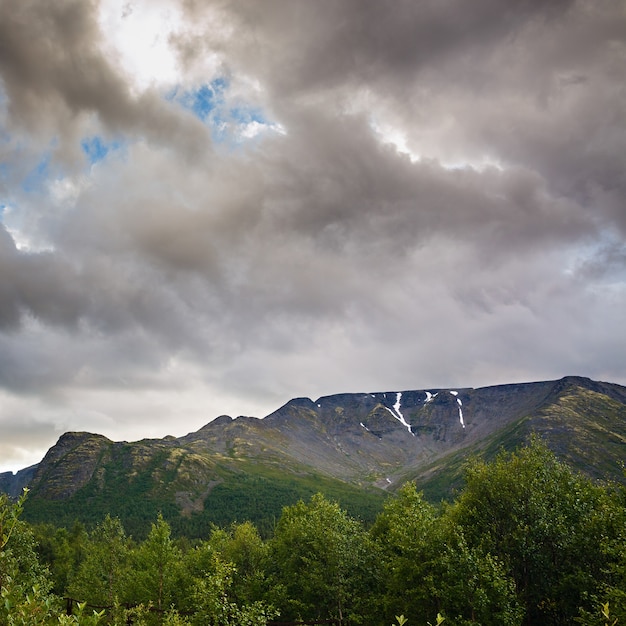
13	484
354	447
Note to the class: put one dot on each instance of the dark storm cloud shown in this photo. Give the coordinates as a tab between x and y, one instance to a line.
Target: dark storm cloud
302	46
37	283
329	197
337	178
532	84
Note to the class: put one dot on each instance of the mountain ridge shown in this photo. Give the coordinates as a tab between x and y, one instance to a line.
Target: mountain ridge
358	446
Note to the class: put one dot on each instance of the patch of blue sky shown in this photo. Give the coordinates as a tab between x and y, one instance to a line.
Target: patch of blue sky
96	149
203	101
247	115
38	176
247	124
229	125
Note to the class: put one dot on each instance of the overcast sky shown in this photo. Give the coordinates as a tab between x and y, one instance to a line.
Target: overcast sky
213	207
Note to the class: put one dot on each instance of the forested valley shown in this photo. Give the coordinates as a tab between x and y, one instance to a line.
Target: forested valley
526	541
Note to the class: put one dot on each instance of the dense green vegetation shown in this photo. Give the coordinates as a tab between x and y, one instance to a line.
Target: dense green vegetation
254	493
526	541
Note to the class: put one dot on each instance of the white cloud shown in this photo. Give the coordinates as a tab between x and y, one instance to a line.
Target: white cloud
137	35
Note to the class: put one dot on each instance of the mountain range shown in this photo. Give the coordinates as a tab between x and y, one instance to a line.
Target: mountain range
354	447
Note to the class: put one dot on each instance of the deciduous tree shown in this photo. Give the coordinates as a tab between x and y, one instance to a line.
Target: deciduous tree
102	578
325	565
546	523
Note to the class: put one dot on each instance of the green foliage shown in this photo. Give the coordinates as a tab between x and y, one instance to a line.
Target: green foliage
213	605
24	583
403	620
62	550
246	492
9	515
325	566
526	541
601	618
259	495
429	565
82	616
612	587
545	523
155	565
25	607
242	545
103	577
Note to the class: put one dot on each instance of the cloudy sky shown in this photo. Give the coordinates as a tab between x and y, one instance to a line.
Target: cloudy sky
211	207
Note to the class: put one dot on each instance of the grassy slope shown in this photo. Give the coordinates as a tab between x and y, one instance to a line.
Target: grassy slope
135	485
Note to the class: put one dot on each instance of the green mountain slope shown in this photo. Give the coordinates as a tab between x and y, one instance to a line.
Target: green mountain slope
352	447
581	421
86	476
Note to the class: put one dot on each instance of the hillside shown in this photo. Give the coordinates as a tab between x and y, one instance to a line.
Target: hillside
353	447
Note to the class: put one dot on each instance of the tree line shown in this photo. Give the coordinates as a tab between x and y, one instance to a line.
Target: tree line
526	541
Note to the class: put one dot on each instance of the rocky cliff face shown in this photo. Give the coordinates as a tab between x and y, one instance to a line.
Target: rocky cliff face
69	465
13	484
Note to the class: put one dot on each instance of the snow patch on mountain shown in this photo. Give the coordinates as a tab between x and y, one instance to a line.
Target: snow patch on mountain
398	414
458	401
